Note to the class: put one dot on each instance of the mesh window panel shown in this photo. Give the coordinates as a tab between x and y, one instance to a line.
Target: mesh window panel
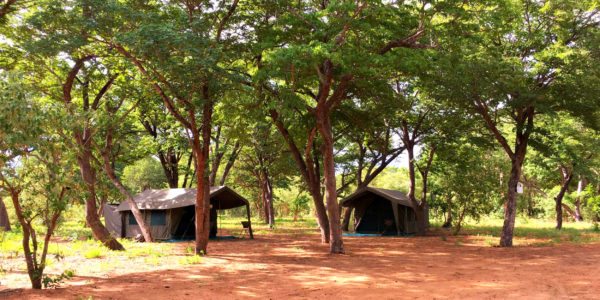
132	220
158	218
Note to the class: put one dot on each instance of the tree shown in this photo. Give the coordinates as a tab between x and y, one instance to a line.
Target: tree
6	6
168	140
113	119
35	169
465	180
330	50
564	146
367	141
64	66
182	49
516	62
420	121
145	173
226	145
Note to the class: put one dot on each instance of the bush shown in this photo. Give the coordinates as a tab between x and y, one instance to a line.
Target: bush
55	281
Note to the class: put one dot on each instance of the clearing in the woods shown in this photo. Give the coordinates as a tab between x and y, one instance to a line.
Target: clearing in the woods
289	262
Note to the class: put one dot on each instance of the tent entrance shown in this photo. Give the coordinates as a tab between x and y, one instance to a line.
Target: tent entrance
186	230
378	218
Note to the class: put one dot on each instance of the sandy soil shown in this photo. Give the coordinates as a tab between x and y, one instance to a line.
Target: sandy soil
296	267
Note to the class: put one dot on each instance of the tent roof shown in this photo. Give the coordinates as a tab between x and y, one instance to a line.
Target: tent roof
221	197
391	195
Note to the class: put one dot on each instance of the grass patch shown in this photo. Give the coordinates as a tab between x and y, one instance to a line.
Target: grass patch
93	253
191	250
190	260
533	232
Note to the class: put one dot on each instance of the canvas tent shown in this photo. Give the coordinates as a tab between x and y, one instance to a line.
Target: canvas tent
170	213
381	211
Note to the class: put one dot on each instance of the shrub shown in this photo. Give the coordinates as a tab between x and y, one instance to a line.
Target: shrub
55	281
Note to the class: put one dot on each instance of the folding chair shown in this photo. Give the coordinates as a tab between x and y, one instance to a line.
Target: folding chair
247	228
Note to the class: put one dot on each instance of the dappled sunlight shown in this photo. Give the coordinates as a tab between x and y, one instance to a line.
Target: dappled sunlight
298	266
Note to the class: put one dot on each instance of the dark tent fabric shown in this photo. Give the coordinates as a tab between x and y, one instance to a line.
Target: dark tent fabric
4	220
170	213
381	211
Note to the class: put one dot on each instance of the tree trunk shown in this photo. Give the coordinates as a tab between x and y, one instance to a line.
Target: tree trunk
418	208
448	221
137	214
510	204
580	187
4	220
421	219
458	225
346	219
187	171
309	174
170	164
232	158
567	176
322	218
569	211
336	244
35	269
217	156
202	176
88	175
524	118
36	280
269	194
423	207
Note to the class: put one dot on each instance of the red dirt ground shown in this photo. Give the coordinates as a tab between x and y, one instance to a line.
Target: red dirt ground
295	267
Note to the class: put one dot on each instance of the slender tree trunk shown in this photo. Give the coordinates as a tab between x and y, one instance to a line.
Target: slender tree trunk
170	164
580	187
35	269
423	206
269	194
569	211
458	225
137	214
89	178
265	204
336	243
448	221
4	220
187	171
567	177
216	157
346	219
309	174
321	214
201	150
36	280
419	208
232	159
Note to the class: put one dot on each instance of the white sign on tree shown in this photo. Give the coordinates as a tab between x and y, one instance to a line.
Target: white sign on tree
520	188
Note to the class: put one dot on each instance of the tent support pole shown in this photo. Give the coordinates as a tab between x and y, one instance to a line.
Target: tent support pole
397	219
249	222
123	224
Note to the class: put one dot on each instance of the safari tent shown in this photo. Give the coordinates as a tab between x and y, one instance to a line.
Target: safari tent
170	213
381	211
